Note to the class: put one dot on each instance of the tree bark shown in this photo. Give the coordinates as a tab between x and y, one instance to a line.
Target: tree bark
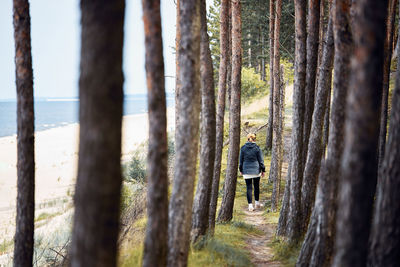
155	244
268	143
207	145
180	208
325	132
281	126
312	60
385	236
222	83
226	211
177	69
274	170
319	241
281	229
386	77
98	187
359	162
294	216
313	163
24	233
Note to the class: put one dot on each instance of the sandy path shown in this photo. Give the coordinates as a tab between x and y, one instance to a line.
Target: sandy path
257	245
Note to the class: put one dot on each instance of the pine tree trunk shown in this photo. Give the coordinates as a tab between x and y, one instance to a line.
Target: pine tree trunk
294	216
98	186
281	127
313	163
320	236
281	229
222	82
180	206
274	170
207	146
325	132
24	234
177	68
268	143
385	235
359	162
226	211
155	244
386	77
312	60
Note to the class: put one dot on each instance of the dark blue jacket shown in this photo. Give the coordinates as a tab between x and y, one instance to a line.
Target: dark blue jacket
251	160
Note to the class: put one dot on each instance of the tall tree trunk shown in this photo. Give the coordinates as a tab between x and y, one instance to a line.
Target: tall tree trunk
155	244
23	240
177	69
385	245
263	74
294	216
386	77
312	60
313	163
281	229
281	126
180	208
274	170
359	162
268	143
98	186
207	146
226	211
325	132
222	82
317	246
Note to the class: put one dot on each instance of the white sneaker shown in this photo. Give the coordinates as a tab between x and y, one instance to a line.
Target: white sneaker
251	207
259	205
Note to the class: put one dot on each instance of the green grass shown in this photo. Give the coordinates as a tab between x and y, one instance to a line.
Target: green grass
285	253
6	245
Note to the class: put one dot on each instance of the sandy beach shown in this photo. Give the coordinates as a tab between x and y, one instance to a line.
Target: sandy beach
56	157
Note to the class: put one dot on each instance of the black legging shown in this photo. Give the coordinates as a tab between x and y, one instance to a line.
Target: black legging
256	182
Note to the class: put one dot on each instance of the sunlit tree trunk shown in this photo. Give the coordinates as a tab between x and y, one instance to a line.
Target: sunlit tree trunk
274	173
155	244
222	83
98	186
207	146
23	239
359	162
187	134
226	211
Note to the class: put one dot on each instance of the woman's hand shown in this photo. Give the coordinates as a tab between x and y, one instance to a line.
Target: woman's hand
262	174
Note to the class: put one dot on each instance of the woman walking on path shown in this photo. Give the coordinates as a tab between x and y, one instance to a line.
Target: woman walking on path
251	166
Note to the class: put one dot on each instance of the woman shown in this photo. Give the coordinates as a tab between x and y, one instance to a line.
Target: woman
251	166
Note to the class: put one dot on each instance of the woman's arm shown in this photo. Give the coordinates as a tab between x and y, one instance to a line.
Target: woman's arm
241	158
260	160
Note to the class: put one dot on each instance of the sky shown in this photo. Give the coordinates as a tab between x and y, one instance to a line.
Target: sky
55	33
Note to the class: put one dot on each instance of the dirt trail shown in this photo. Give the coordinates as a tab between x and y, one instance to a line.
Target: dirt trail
261	253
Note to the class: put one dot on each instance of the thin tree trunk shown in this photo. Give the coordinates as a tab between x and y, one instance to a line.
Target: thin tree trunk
312	60
281	127
226	211
180	208
268	143
24	234
359	162
385	248
207	146
294	216
274	170
281	229
313	163
155	244
177	69
319	241
222	82
386	77
263	74
325	134
98	187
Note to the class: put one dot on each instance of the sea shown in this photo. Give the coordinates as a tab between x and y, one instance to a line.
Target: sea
58	112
